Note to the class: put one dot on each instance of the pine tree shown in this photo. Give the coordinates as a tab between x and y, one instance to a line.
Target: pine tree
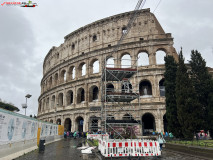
201	82
188	108
171	106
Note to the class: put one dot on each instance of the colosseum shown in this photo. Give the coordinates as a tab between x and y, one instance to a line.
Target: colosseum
71	84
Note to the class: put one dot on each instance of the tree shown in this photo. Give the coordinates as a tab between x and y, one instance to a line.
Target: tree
8	106
171	106
201	81
188	108
210	110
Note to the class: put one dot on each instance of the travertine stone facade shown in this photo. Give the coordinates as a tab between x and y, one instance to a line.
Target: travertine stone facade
71	85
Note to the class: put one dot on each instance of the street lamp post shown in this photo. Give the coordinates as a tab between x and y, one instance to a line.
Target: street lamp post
25	105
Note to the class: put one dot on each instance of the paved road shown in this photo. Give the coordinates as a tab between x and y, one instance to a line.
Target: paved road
66	149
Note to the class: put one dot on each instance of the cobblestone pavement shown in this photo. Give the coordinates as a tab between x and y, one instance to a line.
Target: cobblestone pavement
66	149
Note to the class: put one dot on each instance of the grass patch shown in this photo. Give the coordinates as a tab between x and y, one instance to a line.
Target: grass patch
200	143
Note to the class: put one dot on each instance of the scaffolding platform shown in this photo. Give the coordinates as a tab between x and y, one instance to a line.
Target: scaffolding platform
126	122
121	97
118	74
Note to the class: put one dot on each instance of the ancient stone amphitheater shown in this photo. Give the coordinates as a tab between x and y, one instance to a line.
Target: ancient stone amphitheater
71	83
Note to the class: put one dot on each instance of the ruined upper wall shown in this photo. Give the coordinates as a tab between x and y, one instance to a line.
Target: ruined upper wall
105	33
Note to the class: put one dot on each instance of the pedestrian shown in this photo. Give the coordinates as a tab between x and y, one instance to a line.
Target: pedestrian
68	134
74	135
161	141
65	134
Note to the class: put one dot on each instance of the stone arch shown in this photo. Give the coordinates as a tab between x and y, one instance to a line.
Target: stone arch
63	76
71	73
126	60
95	66
162	87
44	103
143	58
126	87
58	121
165	123
160	54
80	95
50	82
82	69
53	102
70	97
79	123
94	123
61	99
67	124
56	79
145	88
110	62
47	103
93	93
110	87
148	123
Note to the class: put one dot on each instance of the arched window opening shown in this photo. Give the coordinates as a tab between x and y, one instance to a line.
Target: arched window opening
145	89
63	76
94	38
94	124
109	87
110	62
126	87
79	124
143	59
160	57
124	30
165	123
47	103
51	121
80	95
126	61
53	102
70	97
82	69
67	124
44	103
73	46
60	99
56	78
95	67
40	106
95	94
58	121
50	82
148	124
128	117
162	88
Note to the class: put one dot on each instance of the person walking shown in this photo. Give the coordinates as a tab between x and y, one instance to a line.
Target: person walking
161	141
74	135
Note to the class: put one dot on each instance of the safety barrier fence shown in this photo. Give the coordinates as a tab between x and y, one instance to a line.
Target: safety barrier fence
125	148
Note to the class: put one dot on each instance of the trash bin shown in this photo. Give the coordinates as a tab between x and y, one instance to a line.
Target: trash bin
41	145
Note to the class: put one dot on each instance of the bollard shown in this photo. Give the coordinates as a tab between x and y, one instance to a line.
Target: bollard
41	145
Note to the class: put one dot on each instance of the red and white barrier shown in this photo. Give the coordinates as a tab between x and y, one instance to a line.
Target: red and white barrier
133	148
97	136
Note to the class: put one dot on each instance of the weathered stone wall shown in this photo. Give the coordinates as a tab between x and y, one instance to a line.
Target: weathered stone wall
95	42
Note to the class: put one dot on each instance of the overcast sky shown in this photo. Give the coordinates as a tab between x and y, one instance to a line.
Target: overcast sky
27	34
